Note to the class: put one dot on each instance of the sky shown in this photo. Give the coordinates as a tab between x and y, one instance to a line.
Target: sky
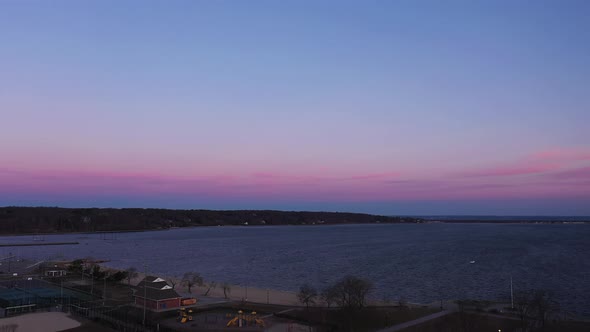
388	107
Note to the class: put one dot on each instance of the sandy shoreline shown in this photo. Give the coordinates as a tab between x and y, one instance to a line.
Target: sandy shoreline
256	294
237	293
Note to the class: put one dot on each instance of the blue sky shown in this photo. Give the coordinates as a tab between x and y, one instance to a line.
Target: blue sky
412	107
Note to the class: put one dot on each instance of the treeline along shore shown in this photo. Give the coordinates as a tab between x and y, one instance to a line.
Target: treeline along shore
47	220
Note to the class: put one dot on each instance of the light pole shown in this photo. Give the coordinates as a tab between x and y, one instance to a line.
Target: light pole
61	287
29	279
23	300
248	275
104	290
92	282
511	293
144	291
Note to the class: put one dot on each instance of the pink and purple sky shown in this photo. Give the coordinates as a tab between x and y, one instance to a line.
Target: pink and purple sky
401	107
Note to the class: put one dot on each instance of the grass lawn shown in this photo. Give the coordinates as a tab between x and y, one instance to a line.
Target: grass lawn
466	322
366	319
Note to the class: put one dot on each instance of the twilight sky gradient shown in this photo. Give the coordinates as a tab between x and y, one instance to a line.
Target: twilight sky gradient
395	107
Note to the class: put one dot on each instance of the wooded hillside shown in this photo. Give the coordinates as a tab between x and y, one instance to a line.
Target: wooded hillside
28	220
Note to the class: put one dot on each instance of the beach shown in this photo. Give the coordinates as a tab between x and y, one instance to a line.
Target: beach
236	293
262	295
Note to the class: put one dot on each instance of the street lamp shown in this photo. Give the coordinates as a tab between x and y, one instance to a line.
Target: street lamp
248	275
511	293
27	284
61	295
104	290
144	290
92	282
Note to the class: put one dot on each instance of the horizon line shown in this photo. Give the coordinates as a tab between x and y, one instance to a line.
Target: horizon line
279	210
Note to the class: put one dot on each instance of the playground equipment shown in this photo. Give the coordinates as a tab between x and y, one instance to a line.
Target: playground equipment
242	319
185	316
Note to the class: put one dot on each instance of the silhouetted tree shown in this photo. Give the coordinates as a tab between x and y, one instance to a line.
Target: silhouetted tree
117	276
96	272
131	274
210	285
307	294
544	305
352	291
173	281
226	290
523	303
76	266
191	279
329	295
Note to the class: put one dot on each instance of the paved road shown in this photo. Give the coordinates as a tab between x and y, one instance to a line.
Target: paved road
421	320
280	312
204	301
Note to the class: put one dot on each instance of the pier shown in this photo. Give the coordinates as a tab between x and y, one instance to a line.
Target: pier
37	244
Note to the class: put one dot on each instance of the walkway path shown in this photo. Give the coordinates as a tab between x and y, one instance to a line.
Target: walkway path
280	312
421	320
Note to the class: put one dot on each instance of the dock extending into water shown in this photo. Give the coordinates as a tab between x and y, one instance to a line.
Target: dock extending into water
37	244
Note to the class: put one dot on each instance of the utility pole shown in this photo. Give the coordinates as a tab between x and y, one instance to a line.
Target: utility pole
511	292
248	275
104	290
61	284
144	290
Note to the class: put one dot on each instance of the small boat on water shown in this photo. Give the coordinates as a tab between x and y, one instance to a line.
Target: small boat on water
472	262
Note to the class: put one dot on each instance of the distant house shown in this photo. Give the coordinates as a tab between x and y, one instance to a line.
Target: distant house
54	269
55	273
156	294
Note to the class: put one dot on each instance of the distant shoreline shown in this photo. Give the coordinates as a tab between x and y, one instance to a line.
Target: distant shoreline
472	222
17	221
54	220
507	222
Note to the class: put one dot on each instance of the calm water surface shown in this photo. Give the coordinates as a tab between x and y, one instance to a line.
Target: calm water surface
419	262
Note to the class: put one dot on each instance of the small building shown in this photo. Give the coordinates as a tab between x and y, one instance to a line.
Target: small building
53	269
56	273
156	294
